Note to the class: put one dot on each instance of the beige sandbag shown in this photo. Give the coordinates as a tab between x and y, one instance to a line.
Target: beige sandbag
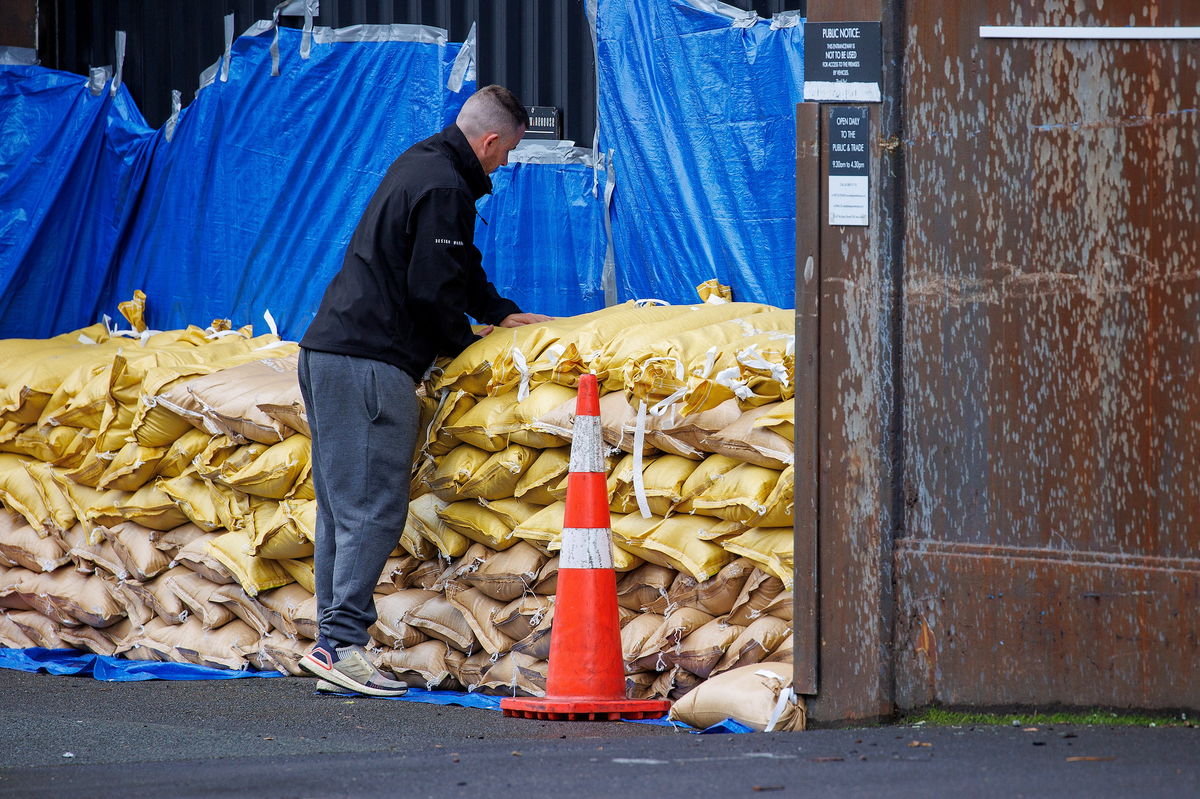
438	618
244	607
157	595
759	696
454	469
547	470
22	545
196	595
746	441
636	634
390	629
423	664
142	560
641	587
692	429
515	674
413	541
89	557
425	576
306	619
488	424
498	476
547	579
618	423
37	628
523	616
281	605
10	578
715	595
477	523
508	574
175	539
283	653
771	548
758	640
39	591
674	628
222	648
700	651
198	557
227	401
84	598
757	594
291	416
478	608
783	653
12	636
779	418
274	473
136	611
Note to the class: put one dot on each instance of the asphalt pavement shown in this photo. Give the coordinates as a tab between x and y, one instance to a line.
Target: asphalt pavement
72	736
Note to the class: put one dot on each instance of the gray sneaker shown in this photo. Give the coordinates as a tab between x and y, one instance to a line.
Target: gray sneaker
348	669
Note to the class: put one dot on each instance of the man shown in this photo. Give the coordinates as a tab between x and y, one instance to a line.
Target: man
409	278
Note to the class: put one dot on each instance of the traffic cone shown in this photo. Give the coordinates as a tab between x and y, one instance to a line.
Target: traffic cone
586	678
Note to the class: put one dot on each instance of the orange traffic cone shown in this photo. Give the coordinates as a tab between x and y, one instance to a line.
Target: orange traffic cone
586	679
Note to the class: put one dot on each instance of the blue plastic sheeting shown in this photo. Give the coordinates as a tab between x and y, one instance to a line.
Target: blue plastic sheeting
70	166
250	205
700	115
111	669
543	241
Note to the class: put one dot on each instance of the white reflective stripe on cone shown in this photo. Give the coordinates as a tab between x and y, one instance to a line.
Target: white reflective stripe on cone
586	548
587	446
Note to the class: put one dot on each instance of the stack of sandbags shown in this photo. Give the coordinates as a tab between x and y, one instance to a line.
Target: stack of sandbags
192	505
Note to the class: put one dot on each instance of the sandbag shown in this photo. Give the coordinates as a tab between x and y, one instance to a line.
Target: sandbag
12	636
746	441
706	473
131	467
675	542
635	635
759	639
452	406
478	523
141	559
158	596
771	548
274	473
84	599
738	495
715	595
196	595
454	469
759	696
180	454
424	518
290	533
515	674
244	607
198	557
674	628
300	570
547	470
438	618
175	539
390	629
37	628
423	664
641	587
478	608
756	595
281	606
488	424
498	476
542	400
509	574
524	616
543	527
701	650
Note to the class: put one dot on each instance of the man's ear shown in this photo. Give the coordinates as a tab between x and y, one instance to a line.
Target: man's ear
490	140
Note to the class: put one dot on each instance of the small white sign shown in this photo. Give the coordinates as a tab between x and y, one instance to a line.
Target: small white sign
849	200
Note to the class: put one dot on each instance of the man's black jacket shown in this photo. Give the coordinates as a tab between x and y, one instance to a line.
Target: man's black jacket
412	270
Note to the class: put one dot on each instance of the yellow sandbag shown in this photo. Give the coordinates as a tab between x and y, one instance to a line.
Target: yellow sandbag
779	418
455	468
714	291
549	468
281	537
771	548
79	399
511	511
193	499
727	377
746	442
253	574
635	342
12	348
543	527
739	495
304	489
60	515
675	543
31	375
62	446
413	542
452	406
152	507
275	471
488	424
498	476
19	491
780	502
91	506
542	400
423	515
664	478
663	368
710	470
620	485
131	467
182	452
478	523
223	456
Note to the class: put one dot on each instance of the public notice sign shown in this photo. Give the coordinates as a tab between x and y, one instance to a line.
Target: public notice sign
849	170
843	62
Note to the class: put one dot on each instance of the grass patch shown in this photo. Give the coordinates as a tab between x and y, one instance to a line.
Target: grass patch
940	717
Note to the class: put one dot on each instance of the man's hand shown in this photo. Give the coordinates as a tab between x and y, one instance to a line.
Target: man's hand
519	319
483	331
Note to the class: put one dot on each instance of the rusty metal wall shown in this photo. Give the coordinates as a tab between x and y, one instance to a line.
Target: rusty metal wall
1050	550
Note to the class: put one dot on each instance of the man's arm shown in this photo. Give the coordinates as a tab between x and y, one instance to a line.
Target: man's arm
445	275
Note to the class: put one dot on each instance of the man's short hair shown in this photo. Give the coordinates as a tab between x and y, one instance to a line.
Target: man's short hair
492	109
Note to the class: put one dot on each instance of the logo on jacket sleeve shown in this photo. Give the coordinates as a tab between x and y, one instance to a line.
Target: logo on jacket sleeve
450	242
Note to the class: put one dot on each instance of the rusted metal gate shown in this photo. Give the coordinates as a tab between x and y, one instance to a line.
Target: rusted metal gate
999	461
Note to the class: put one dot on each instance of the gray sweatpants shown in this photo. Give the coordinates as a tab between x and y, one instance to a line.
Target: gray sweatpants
364	418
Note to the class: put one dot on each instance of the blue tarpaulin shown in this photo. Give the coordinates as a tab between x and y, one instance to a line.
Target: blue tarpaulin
697	107
543	241
112	669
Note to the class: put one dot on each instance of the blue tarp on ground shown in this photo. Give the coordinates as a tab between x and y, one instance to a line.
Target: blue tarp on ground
698	107
111	669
